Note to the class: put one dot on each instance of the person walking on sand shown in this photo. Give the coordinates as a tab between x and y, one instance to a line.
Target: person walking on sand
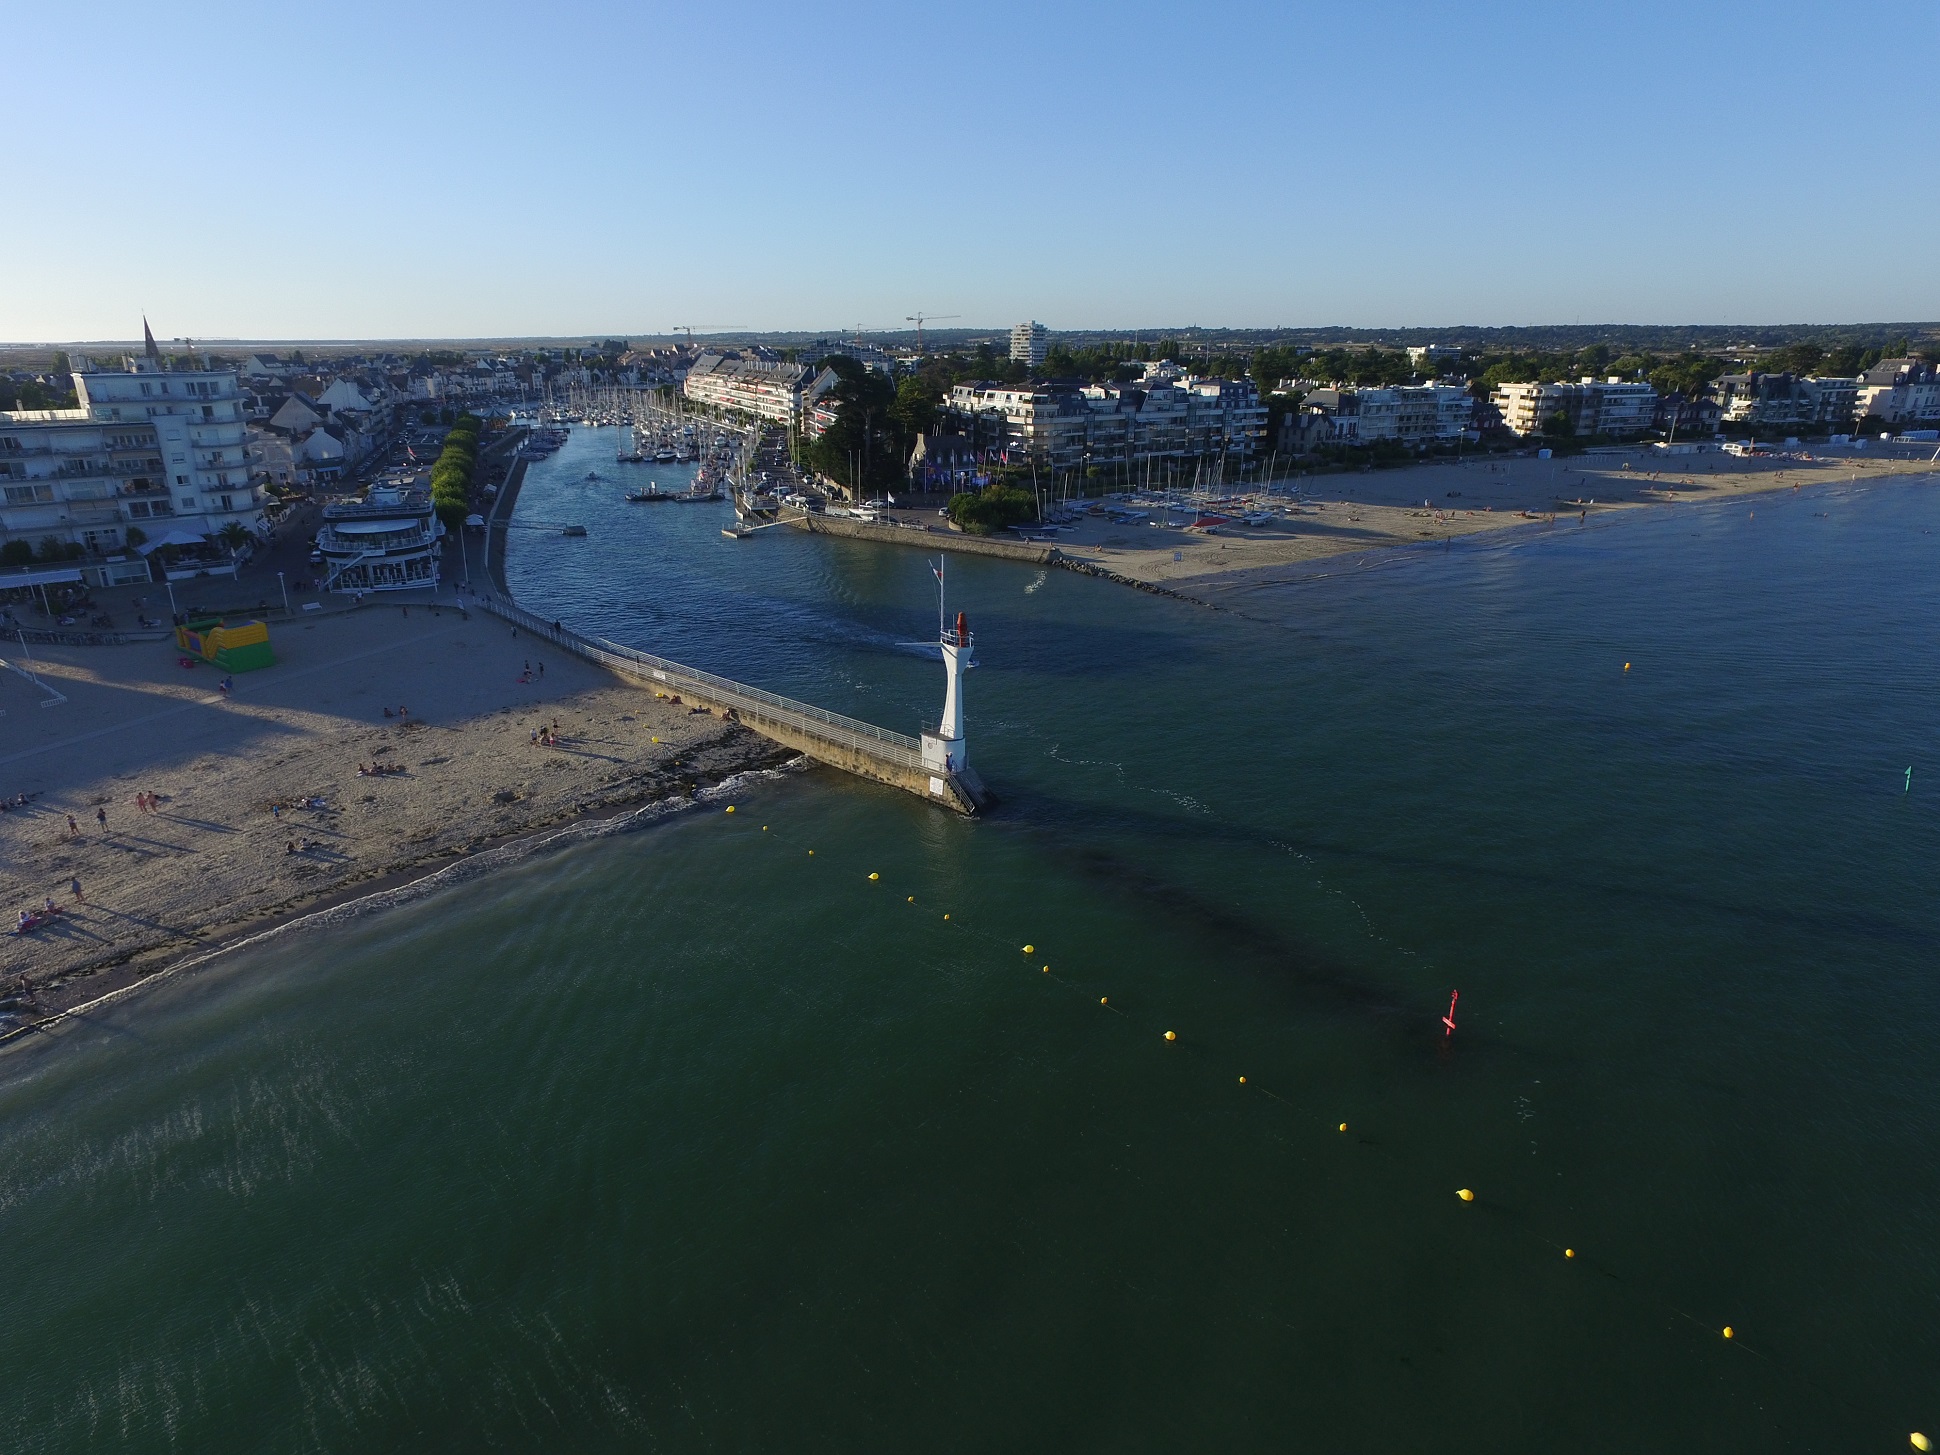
73	829
101	817
74	888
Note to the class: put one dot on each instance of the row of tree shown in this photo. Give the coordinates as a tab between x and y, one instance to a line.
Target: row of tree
451	476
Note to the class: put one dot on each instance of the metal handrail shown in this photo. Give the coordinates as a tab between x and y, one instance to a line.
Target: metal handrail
751	703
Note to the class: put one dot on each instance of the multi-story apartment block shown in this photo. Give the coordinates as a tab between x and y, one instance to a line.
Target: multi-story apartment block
1163	415
1899	391
1614	407
766	388
1410	414
1525	407
1776	401
1028	344
147	445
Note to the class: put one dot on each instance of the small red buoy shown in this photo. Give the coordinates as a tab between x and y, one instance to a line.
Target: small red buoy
1449	1019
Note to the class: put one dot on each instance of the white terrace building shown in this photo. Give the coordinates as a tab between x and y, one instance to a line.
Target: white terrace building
766	388
154	450
1618	408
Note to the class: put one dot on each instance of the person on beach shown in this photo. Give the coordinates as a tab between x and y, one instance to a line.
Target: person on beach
74	888
101	817
73	829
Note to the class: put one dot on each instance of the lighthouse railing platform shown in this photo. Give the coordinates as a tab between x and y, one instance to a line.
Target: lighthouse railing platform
843	742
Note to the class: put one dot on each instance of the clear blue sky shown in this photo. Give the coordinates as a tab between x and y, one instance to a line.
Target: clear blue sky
354	170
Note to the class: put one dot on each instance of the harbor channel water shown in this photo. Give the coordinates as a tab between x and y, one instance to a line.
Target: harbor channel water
694	1139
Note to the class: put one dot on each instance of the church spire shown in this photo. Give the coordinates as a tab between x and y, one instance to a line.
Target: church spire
148	342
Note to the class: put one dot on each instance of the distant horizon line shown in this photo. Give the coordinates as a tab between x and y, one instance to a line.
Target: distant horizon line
579	339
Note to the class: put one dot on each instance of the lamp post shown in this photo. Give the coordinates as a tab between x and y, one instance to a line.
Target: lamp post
286	592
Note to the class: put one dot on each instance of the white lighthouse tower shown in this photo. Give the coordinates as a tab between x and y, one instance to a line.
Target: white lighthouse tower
946	753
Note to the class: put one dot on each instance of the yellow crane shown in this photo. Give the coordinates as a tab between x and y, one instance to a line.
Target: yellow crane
919	318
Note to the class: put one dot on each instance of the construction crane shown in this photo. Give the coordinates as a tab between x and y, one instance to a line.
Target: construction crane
688	329
918	317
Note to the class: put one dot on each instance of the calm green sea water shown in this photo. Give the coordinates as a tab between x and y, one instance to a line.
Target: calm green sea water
687	1140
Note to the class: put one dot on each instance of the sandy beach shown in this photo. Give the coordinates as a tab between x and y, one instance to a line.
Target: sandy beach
1347	513
261	810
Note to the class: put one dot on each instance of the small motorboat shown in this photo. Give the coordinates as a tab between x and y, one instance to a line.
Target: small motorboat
573	530
642	497
592	474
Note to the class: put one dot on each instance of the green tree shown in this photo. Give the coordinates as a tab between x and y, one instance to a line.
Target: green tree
234	535
861	448
16	553
914	409
982	512
135	536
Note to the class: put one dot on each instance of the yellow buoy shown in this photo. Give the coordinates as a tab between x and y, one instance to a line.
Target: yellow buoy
656	740
1172	1035
730	808
1104	1000
1921	1442
764	828
946	916
1343	1126
912	899
1728	1331
1047	969
1626	666
1465	1195
811	853
1029	948
1242	1081
1569	1252
875	876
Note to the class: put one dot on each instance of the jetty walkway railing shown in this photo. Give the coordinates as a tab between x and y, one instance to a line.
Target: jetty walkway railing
752	705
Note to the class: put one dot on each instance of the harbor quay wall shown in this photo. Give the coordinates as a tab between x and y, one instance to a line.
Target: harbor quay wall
890	758
896	535
929	540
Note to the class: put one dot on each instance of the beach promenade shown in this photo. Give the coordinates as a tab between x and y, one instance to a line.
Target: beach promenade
260	806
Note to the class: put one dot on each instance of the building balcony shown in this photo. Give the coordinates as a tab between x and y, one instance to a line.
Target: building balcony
333	544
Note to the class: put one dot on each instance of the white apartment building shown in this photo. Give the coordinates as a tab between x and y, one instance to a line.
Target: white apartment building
1410	414
1782	400
161	451
1899	391
1029	342
1163	415
767	389
1614	407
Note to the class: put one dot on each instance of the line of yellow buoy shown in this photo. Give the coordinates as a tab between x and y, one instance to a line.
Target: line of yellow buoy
1918	1440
